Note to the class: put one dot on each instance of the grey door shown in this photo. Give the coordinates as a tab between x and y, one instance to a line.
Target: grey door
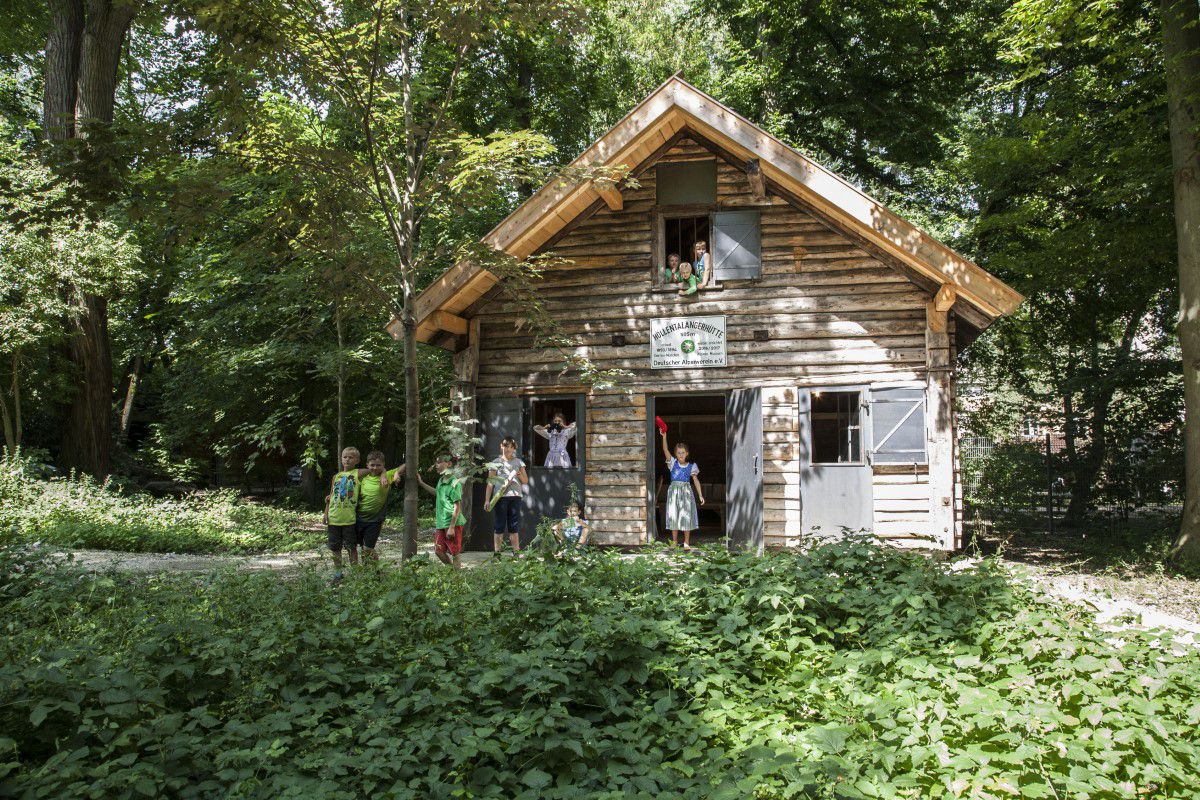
549	488
498	417
835	478
744	481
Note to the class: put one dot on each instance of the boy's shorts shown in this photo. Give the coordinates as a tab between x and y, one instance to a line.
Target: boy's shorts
506	516
449	539
340	535
367	531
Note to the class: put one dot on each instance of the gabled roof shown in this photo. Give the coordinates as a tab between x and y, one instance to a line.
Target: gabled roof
677	105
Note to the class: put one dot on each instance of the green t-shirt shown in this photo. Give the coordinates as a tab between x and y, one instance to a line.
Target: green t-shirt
373	494
691	282
449	492
343	498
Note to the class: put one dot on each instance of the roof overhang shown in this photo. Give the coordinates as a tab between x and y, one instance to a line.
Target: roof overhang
672	107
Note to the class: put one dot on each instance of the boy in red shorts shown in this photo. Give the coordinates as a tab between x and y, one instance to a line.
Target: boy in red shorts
448	517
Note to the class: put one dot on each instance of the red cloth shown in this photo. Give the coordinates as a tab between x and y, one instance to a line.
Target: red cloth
662	426
449	540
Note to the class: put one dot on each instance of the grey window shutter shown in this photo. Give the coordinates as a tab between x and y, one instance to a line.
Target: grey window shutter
736	245
686	183
898	426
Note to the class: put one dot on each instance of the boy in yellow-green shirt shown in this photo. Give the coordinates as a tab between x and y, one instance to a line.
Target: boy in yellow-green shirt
372	502
341	509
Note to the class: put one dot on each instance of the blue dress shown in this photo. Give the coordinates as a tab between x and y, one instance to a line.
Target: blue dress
681	502
698	266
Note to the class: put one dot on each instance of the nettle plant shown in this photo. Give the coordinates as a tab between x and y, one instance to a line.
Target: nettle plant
850	671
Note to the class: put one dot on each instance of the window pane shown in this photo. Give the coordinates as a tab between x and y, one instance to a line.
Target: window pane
836	432
680	235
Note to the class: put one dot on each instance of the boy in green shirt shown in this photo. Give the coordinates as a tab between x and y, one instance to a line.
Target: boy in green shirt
448	517
372	502
341	509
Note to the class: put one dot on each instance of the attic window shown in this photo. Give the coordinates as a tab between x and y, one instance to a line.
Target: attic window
686	183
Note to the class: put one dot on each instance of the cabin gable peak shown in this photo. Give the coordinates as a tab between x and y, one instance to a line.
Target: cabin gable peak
675	111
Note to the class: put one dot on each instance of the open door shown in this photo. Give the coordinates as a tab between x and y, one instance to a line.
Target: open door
549	489
498	417
744	492
835	476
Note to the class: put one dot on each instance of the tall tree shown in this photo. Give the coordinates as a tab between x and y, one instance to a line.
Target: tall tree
1181	32
83	54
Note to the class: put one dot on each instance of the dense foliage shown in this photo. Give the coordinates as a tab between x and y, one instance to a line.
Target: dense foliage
850	671
79	512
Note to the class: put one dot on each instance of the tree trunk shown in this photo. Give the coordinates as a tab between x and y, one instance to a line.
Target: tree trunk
412	425
130	394
18	421
83	54
341	385
87	434
308	485
1181	31
10	442
62	69
387	435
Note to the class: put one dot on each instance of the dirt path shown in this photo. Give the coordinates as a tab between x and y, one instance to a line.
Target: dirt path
1118	602
390	548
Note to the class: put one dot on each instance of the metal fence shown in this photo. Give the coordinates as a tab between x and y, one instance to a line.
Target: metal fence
1026	485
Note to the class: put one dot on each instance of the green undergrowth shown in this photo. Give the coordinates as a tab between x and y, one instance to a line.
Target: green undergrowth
79	512
850	671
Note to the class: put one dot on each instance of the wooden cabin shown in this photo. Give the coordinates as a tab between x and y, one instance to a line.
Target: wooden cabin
813	379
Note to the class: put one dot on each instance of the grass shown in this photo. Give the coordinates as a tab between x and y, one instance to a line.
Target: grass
81	513
851	671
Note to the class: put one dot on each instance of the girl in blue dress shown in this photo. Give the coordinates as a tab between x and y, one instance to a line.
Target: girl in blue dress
700	264
682	514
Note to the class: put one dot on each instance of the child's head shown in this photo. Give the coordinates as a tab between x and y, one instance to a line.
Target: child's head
681	451
699	248
444	463
673	261
573	510
685	270
558	418
375	462
508	446
350	457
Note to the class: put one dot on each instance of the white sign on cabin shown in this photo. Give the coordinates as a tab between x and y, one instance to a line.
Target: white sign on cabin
682	342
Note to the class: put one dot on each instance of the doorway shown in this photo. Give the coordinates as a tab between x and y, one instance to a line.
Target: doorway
698	421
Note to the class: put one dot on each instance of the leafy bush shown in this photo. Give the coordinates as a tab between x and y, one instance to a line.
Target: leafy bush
851	671
78	512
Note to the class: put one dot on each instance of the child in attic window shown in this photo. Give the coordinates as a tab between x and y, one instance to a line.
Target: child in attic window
558	432
689	282
671	270
700	263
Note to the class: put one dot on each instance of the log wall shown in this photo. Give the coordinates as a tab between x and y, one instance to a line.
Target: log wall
836	316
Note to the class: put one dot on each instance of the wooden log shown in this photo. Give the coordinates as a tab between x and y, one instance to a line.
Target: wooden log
945	297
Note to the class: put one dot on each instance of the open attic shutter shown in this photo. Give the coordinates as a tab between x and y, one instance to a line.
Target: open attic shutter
736	245
898	426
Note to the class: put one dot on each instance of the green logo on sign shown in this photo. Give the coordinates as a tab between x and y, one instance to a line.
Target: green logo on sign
687	346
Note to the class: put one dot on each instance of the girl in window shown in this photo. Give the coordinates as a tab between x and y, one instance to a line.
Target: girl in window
559	433
700	264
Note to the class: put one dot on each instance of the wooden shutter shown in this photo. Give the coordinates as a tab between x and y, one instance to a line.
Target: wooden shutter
686	183
736	245
898	426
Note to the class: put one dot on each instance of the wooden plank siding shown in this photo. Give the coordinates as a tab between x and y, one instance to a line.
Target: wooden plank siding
836	316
